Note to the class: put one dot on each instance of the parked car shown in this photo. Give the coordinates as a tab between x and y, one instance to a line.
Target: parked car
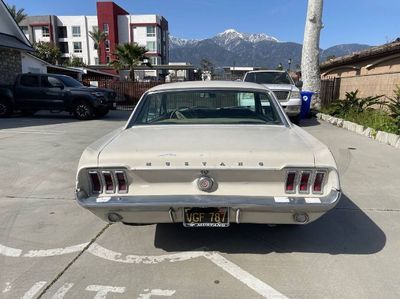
287	92
57	93
208	154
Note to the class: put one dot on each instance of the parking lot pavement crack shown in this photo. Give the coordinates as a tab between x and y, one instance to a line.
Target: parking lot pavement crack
367	209
61	273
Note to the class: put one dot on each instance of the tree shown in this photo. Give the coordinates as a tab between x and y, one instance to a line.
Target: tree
207	66
310	56
98	37
47	51
74	62
128	56
18	15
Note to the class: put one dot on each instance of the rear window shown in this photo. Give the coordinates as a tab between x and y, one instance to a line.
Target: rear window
29	81
268	78
207	107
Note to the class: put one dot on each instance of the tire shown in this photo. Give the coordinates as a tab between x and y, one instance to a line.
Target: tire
6	108
101	113
83	110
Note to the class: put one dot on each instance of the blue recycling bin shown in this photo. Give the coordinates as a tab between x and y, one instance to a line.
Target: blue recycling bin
306	97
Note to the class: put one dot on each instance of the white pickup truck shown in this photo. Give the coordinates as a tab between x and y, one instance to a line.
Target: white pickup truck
285	90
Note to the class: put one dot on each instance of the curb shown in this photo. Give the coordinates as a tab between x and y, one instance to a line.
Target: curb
382	137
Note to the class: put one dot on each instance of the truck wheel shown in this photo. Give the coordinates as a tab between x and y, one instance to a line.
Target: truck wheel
5	108
101	113
83	110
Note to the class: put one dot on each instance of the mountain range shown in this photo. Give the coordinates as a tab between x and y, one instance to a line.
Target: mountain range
233	48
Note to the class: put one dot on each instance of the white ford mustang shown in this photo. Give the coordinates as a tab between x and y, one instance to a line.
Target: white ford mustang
208	154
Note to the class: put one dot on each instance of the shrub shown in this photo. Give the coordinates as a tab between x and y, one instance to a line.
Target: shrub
375	119
394	106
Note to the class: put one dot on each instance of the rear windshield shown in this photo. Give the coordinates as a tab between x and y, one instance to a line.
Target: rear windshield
207	107
268	78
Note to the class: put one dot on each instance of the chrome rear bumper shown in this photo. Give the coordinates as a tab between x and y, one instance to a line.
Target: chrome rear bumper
243	209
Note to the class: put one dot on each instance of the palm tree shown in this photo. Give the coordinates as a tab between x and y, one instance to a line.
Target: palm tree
129	55
18	15
310	57
98	37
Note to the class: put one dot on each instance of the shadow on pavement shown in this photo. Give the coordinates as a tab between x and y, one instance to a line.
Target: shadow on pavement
309	122
344	230
46	118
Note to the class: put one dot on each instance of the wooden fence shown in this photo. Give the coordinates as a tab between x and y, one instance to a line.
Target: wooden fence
330	90
128	93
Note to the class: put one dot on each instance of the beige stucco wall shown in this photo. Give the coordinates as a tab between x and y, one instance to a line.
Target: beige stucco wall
372	77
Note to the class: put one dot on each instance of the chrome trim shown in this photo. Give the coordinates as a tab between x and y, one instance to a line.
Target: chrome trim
238	216
171	213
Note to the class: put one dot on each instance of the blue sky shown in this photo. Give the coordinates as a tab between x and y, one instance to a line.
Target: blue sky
371	22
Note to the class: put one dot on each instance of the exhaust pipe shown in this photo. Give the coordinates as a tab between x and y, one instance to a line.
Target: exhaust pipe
301	218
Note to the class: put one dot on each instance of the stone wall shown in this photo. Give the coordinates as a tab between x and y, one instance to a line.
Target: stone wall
10	65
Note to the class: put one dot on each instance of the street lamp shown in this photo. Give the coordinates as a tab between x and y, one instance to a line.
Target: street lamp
289	63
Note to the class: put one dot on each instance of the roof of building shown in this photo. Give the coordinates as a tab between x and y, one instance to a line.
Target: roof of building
11	36
374	52
208	85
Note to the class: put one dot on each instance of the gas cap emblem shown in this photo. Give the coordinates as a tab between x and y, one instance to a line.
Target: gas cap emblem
205	183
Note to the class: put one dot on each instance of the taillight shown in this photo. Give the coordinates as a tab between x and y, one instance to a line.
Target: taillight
291	182
318	182
304	182
95	181
108	181
121	182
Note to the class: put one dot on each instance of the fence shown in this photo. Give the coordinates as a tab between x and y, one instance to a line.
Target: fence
128	93
330	90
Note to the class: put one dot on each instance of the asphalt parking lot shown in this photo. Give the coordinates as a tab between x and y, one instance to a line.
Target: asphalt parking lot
52	248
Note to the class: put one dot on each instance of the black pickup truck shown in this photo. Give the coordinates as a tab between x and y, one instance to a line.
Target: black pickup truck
57	93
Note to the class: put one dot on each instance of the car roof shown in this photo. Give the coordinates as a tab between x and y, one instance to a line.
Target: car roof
208	85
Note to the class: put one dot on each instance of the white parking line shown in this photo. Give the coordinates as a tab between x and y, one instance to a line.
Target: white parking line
95	249
34	132
156	292
62	291
102	291
34	290
7	288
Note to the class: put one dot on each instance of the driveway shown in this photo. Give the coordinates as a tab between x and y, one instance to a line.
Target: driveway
52	248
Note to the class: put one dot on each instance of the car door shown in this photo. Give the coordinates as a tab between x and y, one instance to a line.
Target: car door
28	94
53	92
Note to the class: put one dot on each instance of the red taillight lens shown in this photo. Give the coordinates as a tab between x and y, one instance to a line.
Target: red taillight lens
319	179
121	181
108	180
95	180
304	181
290	182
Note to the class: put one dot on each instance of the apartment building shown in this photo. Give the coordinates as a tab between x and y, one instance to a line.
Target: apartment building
71	33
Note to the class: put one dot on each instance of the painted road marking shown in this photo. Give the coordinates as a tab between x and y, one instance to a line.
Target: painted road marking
62	291
7	288
156	292
95	249
102	291
35	132
34	290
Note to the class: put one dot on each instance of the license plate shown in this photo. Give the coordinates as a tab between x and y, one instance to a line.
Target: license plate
206	217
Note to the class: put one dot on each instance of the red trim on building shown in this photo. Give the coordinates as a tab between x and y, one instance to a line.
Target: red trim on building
107	13
44	24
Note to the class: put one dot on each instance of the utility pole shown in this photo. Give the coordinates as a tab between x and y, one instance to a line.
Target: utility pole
310	56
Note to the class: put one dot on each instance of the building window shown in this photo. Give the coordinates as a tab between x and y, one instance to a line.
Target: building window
45	31
151	46
106	28
77	47
107	59
96	60
64	47
29	80
107	45
62	32
151	31
76	31
153	60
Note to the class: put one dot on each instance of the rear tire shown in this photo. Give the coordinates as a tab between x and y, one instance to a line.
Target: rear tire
6	108
83	110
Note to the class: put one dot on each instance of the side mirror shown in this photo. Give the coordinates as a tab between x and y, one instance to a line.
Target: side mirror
299	84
